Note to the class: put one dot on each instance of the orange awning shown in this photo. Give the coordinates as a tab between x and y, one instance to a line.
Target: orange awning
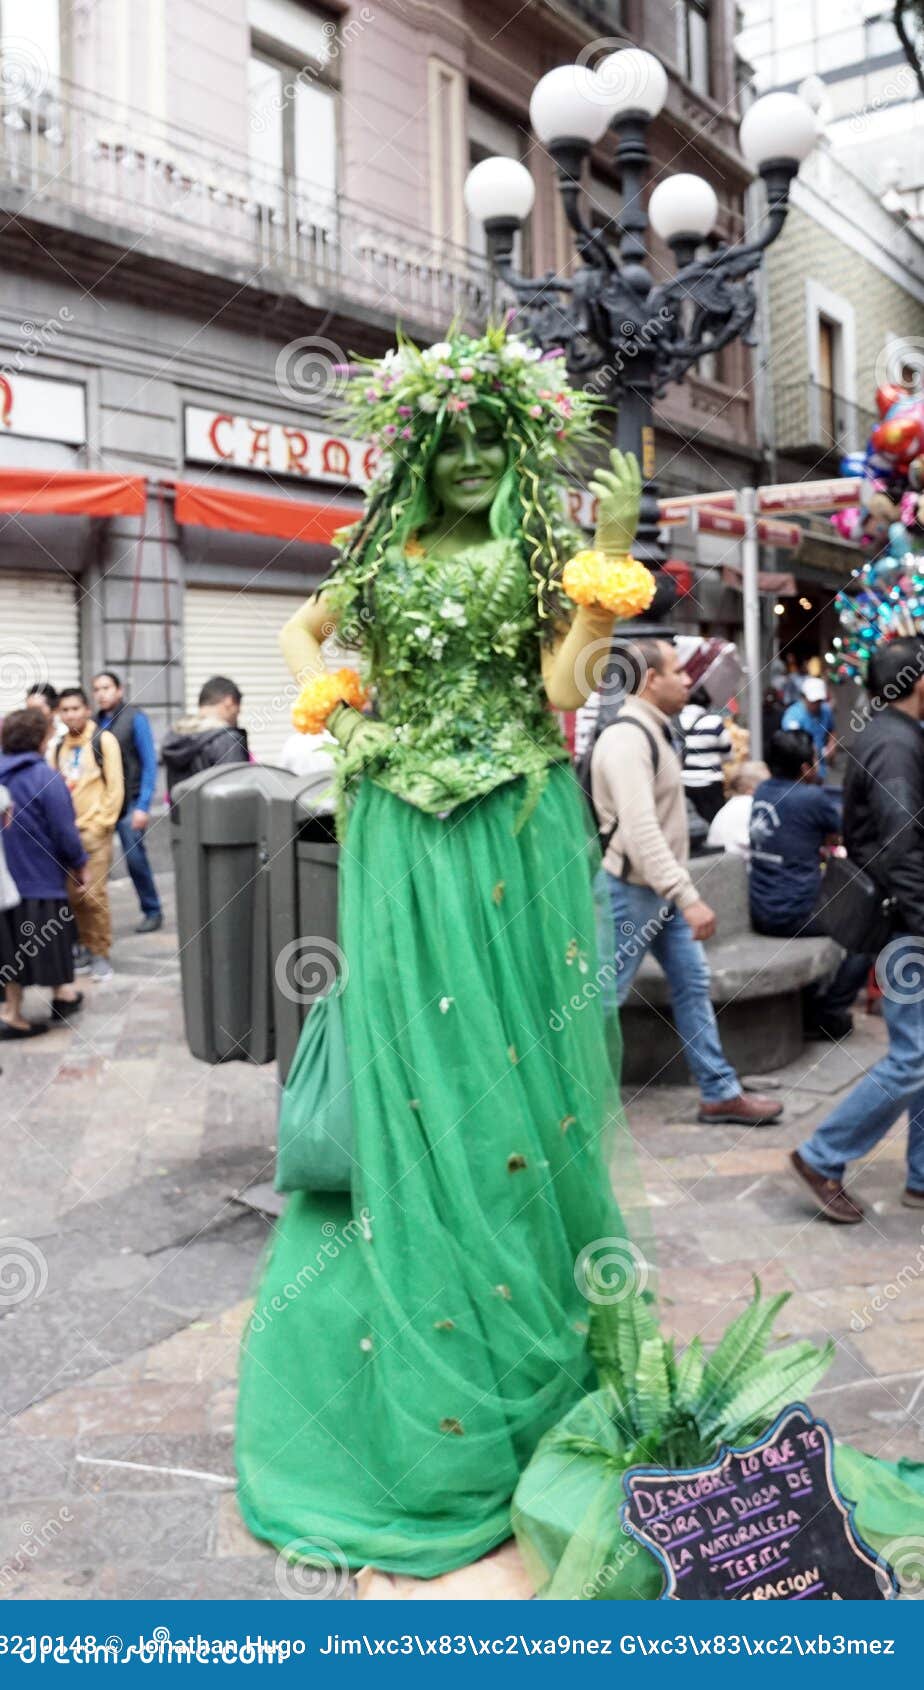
251	513
69	492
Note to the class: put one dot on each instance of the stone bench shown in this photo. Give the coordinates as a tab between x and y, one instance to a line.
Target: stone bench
756	987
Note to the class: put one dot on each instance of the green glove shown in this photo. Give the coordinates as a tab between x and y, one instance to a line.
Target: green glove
618	492
356	732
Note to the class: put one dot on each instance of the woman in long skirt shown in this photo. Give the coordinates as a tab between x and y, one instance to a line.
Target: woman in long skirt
415	1335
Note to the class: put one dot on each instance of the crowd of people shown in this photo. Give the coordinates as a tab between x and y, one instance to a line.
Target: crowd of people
76	775
786	821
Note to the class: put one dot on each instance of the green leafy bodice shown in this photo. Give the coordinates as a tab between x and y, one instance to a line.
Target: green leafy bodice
452	650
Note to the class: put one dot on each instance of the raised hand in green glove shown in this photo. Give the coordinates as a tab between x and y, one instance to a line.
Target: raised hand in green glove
618	492
358	733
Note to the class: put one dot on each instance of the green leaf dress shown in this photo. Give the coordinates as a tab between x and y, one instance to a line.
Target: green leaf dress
412	1340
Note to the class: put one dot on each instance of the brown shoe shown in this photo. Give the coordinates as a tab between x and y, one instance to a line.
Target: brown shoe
745	1110
912	1199
828	1196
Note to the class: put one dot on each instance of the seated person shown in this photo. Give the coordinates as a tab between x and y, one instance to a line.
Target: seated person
730	829
792	818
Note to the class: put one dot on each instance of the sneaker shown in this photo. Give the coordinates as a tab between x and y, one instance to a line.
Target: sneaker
150	923
82	961
100	968
828	1196
742	1111
912	1199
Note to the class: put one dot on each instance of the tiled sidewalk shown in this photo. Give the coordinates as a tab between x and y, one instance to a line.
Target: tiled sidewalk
116	1475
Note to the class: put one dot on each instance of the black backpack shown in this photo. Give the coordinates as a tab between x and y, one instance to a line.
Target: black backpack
583	770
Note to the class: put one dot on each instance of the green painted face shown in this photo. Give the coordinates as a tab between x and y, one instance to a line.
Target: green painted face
469	466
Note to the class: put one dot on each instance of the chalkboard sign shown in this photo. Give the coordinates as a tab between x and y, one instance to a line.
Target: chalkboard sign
765	1523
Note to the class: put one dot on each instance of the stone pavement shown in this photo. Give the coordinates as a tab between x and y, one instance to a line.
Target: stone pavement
126	1261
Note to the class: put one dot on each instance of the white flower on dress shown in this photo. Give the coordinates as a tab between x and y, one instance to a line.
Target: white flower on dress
452	611
423	631
445	1005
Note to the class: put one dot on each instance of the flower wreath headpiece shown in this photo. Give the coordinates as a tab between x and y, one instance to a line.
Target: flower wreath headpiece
404	402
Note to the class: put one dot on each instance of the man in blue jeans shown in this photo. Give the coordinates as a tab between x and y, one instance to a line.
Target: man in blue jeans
884	834
638	793
132	729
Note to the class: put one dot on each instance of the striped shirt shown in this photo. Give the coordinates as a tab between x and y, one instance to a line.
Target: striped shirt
706	745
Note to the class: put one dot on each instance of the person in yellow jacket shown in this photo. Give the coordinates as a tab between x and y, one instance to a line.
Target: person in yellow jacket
91	763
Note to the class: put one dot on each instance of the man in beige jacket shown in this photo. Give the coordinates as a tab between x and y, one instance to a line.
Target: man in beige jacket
90	761
639	798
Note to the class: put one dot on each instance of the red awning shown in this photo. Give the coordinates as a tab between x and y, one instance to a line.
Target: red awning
250	513
70	492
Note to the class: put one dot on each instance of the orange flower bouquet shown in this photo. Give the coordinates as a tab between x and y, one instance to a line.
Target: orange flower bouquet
321	695
620	585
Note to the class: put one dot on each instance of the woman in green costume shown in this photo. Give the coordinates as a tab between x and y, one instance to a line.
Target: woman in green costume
414	1338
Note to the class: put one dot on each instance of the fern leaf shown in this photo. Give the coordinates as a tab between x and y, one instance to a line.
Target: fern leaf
603	1344
783	1377
652	1391
742	1343
689	1375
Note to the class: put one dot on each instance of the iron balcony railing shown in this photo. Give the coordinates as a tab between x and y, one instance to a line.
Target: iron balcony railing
812	419
68	151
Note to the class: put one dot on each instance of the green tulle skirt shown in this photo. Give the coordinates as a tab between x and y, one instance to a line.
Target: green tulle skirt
413	1340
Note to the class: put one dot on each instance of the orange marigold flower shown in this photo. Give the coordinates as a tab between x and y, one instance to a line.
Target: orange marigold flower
321	695
620	585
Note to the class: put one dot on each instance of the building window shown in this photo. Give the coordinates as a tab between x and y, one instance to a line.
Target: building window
30	30
293	103
693	44
492	134
30	44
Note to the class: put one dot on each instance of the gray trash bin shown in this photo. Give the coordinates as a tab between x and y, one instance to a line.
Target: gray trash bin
220	850
303	855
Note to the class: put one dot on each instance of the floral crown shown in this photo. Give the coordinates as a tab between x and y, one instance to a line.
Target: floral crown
402	401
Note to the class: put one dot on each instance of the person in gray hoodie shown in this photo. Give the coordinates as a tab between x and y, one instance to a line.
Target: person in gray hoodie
202	742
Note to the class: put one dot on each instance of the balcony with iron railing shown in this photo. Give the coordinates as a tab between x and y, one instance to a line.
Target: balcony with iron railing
80	162
814	422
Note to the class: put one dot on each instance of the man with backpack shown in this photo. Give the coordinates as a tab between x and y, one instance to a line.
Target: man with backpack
638	795
90	760
132	728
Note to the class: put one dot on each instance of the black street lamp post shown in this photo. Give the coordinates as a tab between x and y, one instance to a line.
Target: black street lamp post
625	334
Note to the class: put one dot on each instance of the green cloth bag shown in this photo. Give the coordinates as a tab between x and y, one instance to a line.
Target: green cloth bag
314	1150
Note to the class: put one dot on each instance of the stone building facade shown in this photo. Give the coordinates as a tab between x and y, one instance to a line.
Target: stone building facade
208	204
844	313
